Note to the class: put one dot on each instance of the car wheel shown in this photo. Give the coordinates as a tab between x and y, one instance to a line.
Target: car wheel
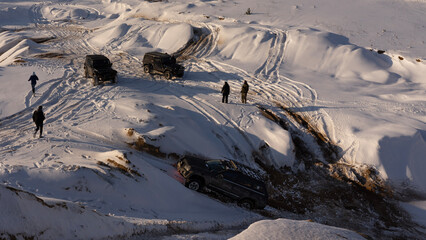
247	203
168	75
147	69
194	184
114	80
95	81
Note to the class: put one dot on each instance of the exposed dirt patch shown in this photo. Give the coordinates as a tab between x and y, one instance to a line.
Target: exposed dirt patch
40	40
50	55
123	165
333	192
200	42
141	145
19	61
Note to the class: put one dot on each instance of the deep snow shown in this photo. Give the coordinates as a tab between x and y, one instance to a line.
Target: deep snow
318	58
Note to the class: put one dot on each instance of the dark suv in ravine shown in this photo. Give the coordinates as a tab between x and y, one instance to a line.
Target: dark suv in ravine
163	63
226	177
98	67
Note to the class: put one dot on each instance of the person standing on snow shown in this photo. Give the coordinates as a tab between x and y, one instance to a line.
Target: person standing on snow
38	118
33	79
244	91
225	92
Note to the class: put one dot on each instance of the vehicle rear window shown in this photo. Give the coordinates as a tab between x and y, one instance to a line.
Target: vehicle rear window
100	63
168	60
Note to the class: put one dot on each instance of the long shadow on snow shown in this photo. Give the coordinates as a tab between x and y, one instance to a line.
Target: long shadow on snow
403	154
216	76
162	86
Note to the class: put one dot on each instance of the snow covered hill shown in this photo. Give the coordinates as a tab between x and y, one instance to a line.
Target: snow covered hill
335	119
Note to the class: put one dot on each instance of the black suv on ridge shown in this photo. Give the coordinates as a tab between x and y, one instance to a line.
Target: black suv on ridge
225	177
162	63
98	67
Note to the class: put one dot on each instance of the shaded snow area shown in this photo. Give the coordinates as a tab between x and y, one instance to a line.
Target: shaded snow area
334	124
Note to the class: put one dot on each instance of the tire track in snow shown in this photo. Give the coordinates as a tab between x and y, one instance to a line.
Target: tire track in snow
228	141
270	86
65	96
228	119
205	109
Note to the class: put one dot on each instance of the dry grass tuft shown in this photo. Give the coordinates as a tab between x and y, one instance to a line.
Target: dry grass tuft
130	132
143	146
122	168
41	39
19	61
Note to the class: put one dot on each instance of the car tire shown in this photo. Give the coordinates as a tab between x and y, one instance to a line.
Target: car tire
168	75
246	203
147	68
114	80
194	184
95	80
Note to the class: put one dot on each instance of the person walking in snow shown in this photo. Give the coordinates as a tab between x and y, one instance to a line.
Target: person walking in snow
38	118
244	91
33	79
225	92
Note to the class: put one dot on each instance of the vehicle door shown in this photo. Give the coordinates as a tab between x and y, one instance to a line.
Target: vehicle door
164	64
156	63
223	183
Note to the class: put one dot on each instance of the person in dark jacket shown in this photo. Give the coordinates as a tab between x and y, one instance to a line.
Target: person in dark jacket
244	91
225	92
38	118
33	79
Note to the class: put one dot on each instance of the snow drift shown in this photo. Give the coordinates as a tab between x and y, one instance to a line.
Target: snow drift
294	230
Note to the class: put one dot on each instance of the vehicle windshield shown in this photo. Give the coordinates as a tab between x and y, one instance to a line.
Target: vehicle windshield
219	165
